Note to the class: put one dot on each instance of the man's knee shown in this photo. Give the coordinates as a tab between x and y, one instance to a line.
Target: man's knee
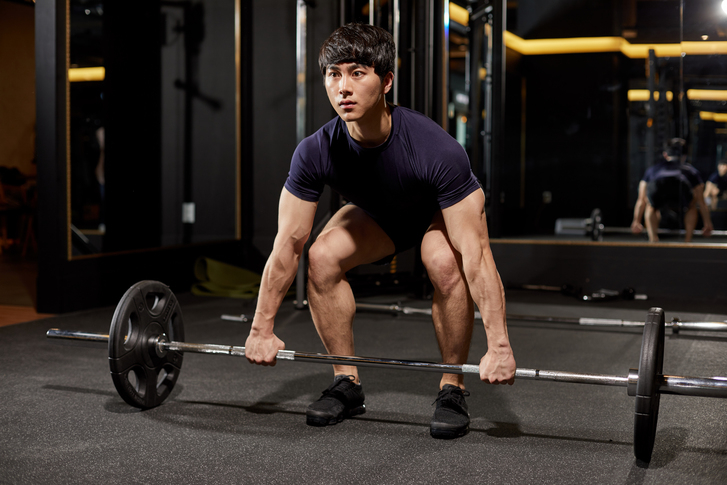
323	264
443	268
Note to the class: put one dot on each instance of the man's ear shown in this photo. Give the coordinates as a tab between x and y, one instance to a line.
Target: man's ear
388	82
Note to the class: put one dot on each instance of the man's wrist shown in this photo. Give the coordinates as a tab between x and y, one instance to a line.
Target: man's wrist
261	326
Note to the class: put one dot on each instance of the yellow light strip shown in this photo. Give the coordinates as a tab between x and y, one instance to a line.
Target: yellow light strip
709	116
643	95
707	94
704	48
459	14
641	51
575	45
80	74
583	45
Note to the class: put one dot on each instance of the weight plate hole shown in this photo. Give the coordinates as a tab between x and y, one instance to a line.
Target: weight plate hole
153	301
162	381
137	381
169	328
131	325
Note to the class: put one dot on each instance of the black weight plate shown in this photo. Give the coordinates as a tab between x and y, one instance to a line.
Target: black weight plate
651	365
143	377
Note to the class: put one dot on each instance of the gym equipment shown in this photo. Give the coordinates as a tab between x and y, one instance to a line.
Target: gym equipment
594	228
145	360
600	295
676	325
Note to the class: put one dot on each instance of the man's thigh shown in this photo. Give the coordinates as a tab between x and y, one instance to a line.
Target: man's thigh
436	246
353	238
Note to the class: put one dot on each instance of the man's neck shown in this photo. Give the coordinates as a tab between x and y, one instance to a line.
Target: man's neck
373	129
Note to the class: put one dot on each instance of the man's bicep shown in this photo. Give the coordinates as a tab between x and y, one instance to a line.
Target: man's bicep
466	223
642	190
295	218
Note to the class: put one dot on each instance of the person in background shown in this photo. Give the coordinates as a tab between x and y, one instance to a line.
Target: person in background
716	187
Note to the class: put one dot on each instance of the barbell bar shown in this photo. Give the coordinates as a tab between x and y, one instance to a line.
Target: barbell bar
146	345
675	324
679	385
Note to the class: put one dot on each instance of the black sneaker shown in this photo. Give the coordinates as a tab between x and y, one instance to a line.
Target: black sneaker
451	419
342	399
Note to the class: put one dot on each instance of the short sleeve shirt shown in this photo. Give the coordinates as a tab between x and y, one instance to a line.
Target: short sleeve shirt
400	184
674	169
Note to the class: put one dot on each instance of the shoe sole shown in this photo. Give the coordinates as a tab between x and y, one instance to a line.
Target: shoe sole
442	431
314	418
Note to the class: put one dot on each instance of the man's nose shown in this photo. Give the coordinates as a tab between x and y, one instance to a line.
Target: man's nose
344	85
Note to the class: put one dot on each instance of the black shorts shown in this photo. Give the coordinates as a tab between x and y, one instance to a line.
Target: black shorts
405	234
670	193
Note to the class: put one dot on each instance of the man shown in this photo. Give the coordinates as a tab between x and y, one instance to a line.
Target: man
716	188
672	185
408	182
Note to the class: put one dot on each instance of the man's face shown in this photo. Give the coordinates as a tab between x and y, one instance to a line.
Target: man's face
354	89
722	169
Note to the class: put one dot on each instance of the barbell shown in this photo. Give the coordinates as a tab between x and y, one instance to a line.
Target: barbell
146	347
675	324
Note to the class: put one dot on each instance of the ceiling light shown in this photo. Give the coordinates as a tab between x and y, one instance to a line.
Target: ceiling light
724	5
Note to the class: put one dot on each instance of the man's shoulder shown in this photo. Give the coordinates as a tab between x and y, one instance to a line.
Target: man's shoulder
424	132
409	117
322	137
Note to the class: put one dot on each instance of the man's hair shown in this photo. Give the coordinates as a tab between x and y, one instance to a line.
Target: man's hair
675	148
722	162
363	44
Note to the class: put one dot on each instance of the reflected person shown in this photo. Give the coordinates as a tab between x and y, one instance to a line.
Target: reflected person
671	185
716	187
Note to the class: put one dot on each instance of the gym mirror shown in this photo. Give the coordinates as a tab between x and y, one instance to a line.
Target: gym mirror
154	124
581	127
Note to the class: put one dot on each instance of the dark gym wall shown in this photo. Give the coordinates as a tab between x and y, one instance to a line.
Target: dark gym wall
210	136
274	101
663	273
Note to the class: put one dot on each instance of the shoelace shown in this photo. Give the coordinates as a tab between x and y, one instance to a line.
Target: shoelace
454	395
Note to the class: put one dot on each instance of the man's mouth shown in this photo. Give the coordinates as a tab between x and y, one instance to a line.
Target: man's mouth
346	104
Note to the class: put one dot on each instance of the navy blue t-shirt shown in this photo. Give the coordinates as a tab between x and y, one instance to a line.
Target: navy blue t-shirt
673	169
400	184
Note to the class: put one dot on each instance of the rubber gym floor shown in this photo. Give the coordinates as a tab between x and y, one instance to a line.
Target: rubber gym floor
227	421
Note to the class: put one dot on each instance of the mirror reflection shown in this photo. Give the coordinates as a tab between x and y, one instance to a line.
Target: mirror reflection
595	92
154	157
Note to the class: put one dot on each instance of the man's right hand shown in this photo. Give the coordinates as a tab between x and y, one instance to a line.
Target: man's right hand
262	349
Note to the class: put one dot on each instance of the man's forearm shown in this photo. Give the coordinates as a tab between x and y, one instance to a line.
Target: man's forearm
278	275
489	295
638	211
